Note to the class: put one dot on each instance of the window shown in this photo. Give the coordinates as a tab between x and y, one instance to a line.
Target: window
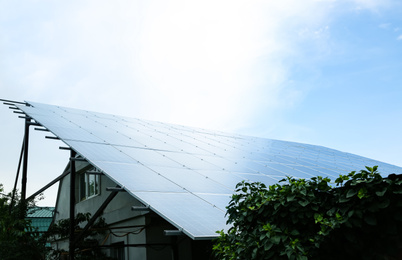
89	185
117	251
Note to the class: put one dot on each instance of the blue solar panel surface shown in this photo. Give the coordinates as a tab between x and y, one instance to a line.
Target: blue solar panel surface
185	174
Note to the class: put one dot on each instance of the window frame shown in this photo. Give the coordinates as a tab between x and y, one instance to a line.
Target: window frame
85	180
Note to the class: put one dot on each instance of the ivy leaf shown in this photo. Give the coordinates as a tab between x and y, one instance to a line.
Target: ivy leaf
370	219
384	204
276	240
304	203
291	197
351	193
382	192
295	232
362	193
308	211
268	246
369	169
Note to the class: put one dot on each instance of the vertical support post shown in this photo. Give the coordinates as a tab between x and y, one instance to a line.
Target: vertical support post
25	166
72	205
175	248
17	176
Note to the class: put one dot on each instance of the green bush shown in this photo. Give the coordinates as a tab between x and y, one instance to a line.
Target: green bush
361	218
18	239
88	246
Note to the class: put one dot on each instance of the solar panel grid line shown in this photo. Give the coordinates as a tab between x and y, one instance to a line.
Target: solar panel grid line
279	159
191	144
200	140
263	178
149	138
203	144
267	150
163	159
215	179
310	171
224	142
70	121
220	200
134	177
328	173
288	171
169	219
53	128
222	177
207	147
195	222
82	134
229	171
194	148
161	174
200	182
323	164
290	161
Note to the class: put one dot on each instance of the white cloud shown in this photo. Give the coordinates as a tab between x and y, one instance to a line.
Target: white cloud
215	64
372	5
399	37
206	63
384	26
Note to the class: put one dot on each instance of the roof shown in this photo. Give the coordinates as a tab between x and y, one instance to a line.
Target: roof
185	174
40	212
41	217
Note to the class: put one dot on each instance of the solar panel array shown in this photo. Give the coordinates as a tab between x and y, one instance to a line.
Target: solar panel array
187	175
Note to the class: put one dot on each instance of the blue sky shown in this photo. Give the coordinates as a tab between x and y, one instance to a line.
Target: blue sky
319	72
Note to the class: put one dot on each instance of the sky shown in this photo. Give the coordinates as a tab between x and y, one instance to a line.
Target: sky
320	72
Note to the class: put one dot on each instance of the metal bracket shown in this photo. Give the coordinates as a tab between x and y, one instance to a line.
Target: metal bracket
52	137
116	189
171	233
78	159
95	172
12	102
140	208
41	129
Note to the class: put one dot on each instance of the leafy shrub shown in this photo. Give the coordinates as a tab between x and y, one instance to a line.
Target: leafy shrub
88	246
312	219
18	239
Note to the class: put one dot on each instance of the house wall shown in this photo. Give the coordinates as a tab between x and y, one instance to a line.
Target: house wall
62	209
117	214
163	246
143	231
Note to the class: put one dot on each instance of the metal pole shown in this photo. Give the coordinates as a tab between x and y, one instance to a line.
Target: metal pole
50	184
72	205
175	248
17	175
25	166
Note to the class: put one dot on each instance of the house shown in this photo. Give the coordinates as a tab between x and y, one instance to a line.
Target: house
40	217
162	188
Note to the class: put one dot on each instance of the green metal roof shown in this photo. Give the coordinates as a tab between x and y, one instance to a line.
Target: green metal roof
40	212
41	217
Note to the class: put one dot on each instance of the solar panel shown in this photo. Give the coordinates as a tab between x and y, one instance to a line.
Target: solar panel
186	174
